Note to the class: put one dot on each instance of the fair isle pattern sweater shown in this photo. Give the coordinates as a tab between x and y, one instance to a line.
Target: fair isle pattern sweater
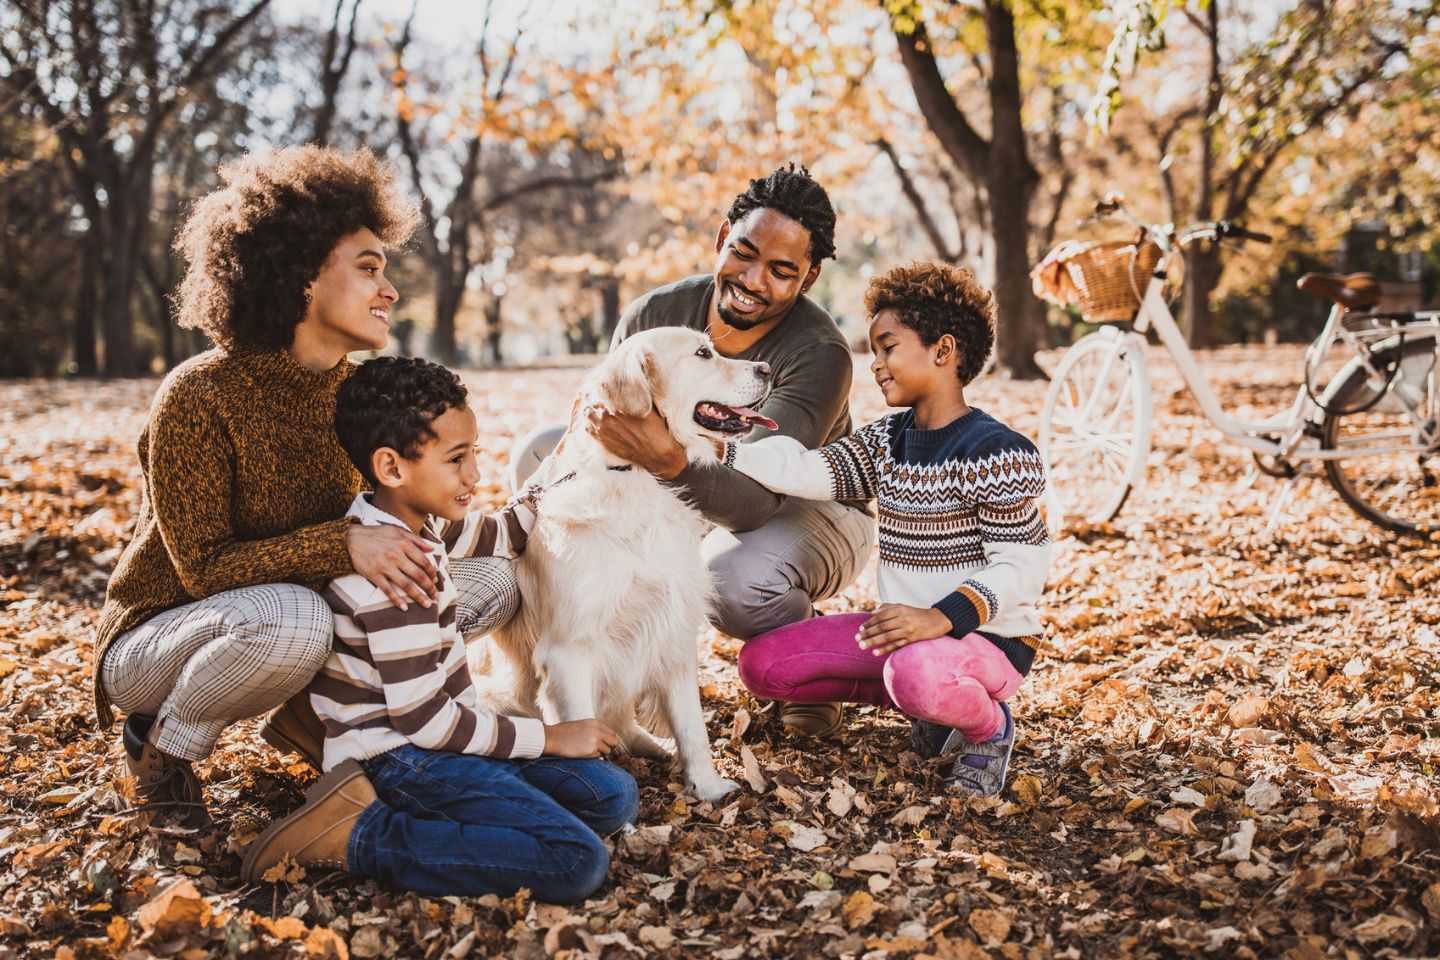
400	676
959	530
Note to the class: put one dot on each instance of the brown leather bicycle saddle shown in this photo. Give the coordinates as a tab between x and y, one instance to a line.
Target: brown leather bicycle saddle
1353	291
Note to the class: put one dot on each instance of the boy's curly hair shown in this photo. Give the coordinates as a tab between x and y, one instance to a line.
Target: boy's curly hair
933	299
255	243
390	402
793	192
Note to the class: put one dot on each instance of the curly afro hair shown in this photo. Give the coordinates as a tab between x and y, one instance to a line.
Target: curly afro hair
254	244
390	402
934	299
792	192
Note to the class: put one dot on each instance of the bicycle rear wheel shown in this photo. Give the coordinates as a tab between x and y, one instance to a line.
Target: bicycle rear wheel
1397	490
1095	426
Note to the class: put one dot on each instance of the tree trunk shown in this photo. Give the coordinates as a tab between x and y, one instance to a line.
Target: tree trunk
609	307
493	331
127	218
1010	182
83	328
447	305
1202	275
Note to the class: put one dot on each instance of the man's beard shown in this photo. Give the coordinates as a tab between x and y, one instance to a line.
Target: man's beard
735	320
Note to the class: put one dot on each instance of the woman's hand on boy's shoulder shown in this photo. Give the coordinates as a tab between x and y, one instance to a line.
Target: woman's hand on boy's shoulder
579	739
397	561
894	625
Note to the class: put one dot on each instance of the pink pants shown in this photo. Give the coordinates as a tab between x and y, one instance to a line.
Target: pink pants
955	682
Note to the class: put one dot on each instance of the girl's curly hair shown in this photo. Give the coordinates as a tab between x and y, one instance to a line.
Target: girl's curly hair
933	299
254	244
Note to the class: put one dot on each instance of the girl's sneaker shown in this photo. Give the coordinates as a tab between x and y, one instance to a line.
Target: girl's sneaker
980	767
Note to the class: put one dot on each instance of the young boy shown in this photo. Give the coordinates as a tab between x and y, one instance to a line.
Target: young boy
962	546
423	788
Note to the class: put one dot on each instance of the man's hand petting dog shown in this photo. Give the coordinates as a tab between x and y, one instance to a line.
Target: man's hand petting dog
579	739
894	625
395	560
644	441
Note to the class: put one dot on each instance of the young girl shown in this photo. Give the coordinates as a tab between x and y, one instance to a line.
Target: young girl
963	550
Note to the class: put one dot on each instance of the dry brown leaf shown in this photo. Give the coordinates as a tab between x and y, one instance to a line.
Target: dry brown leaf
179	908
1430	900
993	926
753	776
285	928
1248	711
1027	789
286	871
912	816
1179	820
859	910
658	937
873	862
740	724
325	944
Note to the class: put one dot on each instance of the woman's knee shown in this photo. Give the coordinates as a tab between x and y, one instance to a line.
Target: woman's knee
488	594
290	622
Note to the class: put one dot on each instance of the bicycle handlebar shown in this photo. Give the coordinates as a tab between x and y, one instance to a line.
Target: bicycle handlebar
1113	205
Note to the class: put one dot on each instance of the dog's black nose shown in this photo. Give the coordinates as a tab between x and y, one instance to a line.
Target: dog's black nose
762	370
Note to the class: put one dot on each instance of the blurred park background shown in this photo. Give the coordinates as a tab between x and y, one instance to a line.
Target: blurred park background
571	155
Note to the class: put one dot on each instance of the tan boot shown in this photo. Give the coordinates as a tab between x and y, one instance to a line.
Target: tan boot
293	727
811	719
318	834
164	782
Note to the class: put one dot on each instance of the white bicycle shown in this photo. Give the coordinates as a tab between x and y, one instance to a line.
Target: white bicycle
1374	423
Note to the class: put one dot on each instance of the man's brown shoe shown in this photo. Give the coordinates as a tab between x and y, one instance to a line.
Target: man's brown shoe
293	727
164	782
318	834
811	719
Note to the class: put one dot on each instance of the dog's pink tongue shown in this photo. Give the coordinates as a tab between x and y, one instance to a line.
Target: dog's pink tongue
758	419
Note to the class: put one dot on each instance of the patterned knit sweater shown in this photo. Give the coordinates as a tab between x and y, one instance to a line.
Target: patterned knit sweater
400	676
959	530
244	483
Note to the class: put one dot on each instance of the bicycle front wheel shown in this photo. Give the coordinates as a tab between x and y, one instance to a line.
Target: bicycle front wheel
1095	426
1394	478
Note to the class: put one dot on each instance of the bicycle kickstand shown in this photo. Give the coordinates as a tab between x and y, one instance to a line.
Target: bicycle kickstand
1282	500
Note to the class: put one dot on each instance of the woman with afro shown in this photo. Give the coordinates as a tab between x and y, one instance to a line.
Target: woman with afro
212	615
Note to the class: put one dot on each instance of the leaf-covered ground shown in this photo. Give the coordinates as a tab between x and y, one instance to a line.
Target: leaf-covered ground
1230	747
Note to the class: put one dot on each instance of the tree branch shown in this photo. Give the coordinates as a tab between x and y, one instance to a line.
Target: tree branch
922	212
965	147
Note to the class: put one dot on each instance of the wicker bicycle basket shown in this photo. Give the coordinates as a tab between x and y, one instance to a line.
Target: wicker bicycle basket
1111	278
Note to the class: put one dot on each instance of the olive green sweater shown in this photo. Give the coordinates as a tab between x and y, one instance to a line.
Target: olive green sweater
244	483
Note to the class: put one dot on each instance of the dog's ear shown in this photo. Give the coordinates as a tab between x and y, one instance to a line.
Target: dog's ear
626	385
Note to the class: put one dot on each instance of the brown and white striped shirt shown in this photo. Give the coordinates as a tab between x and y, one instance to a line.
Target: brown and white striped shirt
400	676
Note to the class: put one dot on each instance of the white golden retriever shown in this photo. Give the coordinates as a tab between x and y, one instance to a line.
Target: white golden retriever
614	585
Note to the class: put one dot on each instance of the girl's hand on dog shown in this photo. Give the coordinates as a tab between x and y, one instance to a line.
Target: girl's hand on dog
579	739
395	560
893	625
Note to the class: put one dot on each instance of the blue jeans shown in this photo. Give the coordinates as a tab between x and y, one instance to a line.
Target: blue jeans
454	824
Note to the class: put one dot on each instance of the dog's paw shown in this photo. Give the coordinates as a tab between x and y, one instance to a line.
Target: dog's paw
712	788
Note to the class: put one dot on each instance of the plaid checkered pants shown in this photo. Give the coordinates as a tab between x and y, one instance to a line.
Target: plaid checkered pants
241	653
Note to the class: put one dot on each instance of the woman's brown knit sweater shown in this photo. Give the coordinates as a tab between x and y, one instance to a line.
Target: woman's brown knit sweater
245	483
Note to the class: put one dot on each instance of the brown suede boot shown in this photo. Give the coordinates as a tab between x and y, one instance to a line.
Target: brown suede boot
164	782
293	727
318	834
811	719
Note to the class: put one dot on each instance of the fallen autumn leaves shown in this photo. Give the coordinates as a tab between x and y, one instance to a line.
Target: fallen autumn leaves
1230	748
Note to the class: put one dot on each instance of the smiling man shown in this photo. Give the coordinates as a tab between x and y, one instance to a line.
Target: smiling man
772	558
